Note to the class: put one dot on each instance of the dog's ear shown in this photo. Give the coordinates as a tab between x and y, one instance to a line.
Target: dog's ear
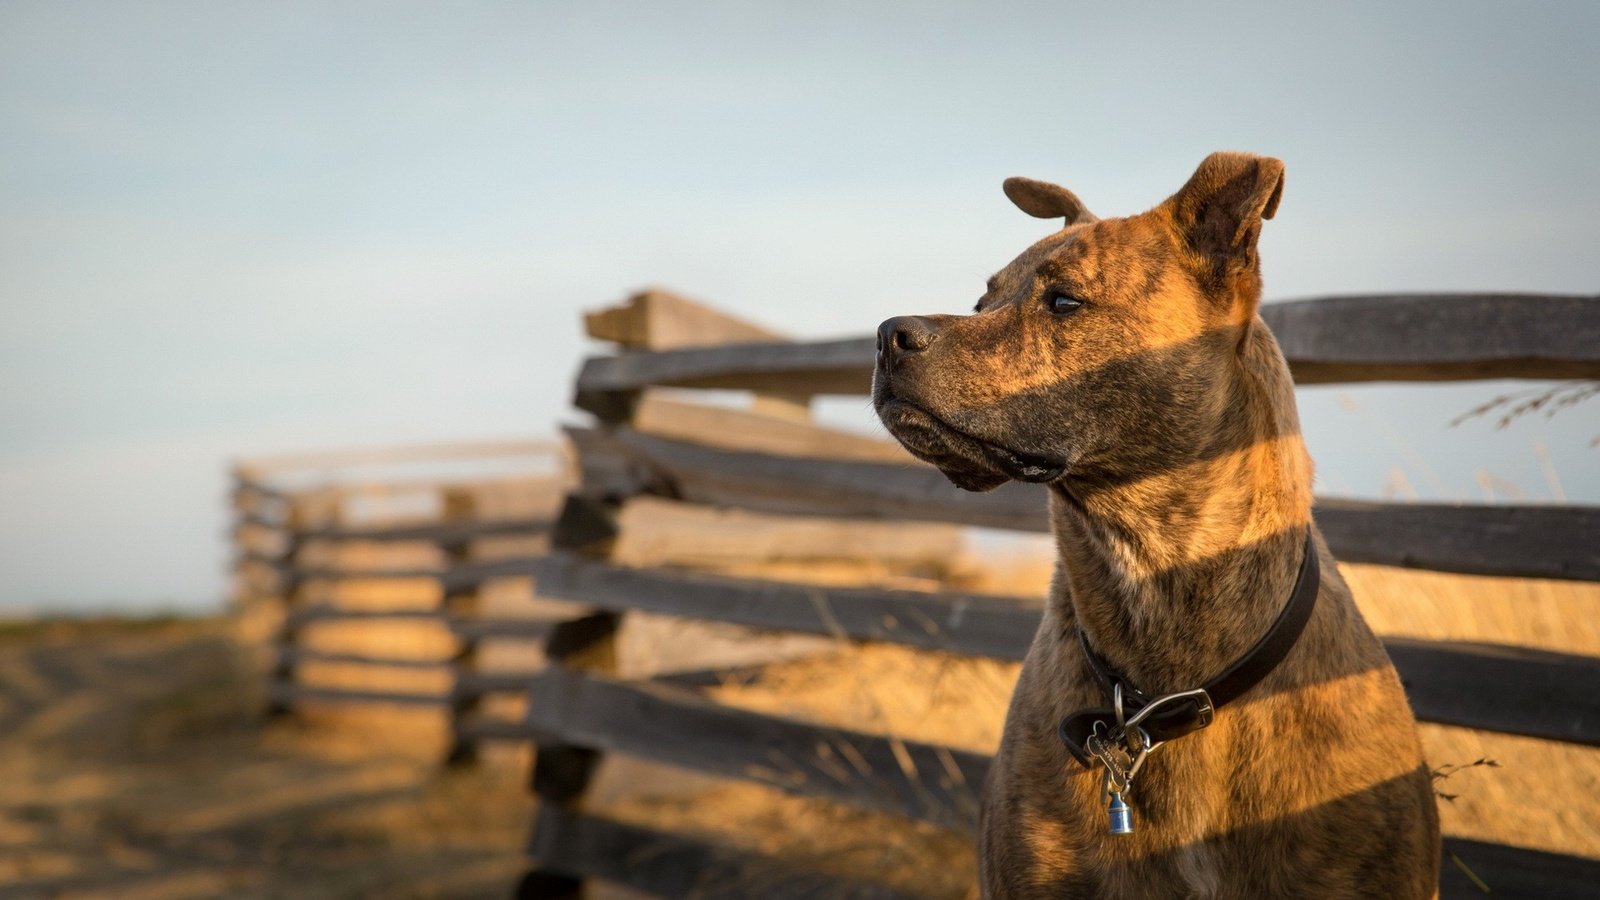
1044	200
1221	208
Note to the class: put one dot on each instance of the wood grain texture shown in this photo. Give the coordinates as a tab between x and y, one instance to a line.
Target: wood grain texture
1515	873
672	865
324	612
1438	337
446	534
1527	541
652	531
1396	337
655	319
1511	690
970	624
299	655
1533	541
609	386
679	727
734	429
290	694
1515	690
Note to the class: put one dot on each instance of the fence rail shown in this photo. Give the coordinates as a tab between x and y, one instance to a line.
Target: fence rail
1402	337
1540	541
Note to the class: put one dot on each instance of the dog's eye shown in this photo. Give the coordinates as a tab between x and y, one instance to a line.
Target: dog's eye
1061	303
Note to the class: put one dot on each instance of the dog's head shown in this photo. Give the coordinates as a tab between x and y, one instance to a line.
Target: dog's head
1107	348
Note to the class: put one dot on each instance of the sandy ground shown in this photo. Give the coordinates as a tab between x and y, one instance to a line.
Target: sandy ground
133	765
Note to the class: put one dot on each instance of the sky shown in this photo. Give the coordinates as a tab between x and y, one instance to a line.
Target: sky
232	229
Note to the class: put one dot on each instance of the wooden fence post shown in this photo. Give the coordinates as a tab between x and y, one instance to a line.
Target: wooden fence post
457	606
562	772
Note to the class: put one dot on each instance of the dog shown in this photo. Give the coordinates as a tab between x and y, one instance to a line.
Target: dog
1122	363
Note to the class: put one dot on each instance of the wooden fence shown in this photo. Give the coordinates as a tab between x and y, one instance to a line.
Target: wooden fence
692	511
342	565
651	457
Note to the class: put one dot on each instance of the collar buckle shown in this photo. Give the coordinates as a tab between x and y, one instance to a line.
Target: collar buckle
1175	715
1161	719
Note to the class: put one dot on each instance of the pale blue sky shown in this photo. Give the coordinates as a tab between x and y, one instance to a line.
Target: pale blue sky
229	229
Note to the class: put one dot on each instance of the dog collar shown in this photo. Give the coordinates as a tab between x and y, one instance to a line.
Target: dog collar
1154	720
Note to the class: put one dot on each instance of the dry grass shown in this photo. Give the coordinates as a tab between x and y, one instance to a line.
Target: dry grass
134	763
1543	794
1530	612
796	833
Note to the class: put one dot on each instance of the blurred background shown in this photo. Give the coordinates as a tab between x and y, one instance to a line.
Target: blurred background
230	232
235	229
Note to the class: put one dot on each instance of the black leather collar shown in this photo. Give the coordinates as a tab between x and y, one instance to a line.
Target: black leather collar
1179	714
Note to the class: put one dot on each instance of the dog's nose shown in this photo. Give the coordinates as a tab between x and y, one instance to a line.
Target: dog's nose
904	334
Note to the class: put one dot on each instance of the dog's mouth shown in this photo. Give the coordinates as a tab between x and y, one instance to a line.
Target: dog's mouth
969	462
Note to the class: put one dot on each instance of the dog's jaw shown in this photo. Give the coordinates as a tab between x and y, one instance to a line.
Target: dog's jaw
970	462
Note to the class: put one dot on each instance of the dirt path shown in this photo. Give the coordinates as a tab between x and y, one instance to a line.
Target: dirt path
133	764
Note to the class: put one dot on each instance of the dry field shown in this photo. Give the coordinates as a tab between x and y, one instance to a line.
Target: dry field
133	764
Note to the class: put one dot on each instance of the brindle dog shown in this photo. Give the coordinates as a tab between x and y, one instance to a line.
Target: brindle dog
1121	362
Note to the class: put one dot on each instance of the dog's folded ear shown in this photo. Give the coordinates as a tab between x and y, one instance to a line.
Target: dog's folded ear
1044	200
1221	208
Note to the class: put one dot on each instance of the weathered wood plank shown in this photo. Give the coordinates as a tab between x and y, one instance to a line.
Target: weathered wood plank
1403	337
1494	687
607	471
734	429
477	628
652	531
679	727
480	727
475	684
446	534
664	532
1533	693
298	655
471	575
962	623
1516	541
673	865
784	484
289	694
1515	873
608	386
660	320
291	577
323	612
1438	337
1533	541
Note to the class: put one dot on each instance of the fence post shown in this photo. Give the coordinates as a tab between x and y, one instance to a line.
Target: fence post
562	772
455	607
304	512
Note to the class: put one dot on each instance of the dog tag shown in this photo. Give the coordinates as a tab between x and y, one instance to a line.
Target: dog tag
1121	817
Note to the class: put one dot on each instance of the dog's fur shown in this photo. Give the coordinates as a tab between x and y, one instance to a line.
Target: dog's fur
1162	416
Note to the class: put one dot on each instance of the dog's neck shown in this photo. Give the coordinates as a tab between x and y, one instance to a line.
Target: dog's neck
1175	575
